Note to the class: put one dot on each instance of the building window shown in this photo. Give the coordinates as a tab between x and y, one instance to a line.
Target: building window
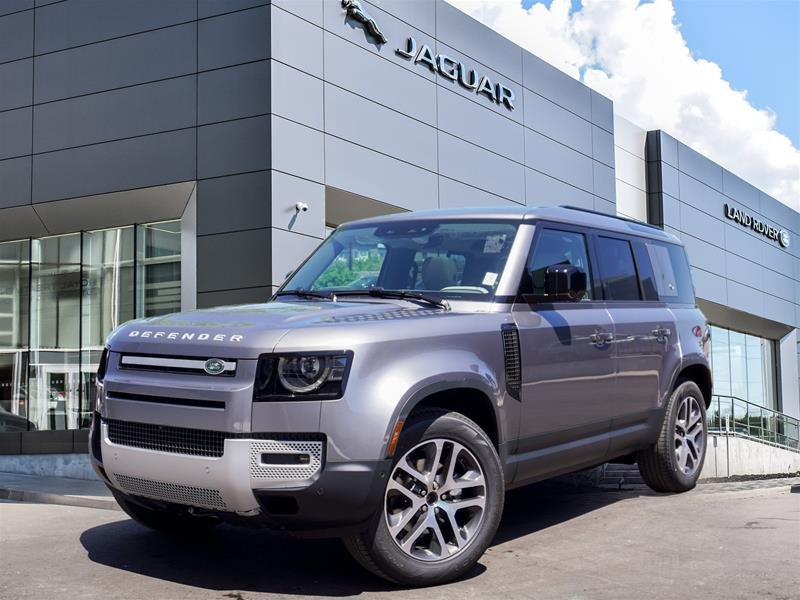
744	366
60	296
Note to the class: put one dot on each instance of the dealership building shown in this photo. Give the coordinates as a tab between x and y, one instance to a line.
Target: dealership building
153	155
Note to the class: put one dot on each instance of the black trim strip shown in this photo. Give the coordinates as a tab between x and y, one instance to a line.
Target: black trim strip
213	404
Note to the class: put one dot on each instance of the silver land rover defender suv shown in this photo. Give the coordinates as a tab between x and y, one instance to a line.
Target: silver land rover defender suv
408	373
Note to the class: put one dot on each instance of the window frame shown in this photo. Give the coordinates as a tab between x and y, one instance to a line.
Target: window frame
603	283
525	296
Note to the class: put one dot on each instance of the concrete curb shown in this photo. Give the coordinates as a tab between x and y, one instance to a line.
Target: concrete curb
62	499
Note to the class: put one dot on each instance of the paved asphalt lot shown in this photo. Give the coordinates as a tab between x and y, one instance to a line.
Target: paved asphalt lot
730	540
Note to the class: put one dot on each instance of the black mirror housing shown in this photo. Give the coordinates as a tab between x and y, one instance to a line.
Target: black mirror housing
564	283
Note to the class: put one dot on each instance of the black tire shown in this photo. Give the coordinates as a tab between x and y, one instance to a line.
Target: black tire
659	464
164	521
377	551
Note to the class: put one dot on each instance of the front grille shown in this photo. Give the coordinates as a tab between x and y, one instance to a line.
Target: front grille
176	364
215	404
512	359
171	492
165	438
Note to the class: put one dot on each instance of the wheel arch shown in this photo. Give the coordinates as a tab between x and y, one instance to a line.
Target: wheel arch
700	374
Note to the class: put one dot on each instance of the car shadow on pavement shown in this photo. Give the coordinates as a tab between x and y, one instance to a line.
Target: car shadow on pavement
254	560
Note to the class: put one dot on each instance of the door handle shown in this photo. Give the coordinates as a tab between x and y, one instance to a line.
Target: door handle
661	333
601	338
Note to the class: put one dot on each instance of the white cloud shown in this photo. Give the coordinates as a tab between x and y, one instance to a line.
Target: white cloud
635	54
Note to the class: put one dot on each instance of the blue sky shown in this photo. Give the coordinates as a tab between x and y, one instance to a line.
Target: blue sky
755	42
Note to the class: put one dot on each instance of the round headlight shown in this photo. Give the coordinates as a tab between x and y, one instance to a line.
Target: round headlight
303	374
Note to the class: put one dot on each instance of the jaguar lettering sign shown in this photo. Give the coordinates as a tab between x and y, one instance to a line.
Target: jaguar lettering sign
746	220
457	71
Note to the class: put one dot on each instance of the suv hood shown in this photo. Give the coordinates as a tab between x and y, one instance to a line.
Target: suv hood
244	331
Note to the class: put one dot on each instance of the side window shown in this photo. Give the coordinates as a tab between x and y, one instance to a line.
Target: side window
646	274
557	247
673	279
617	269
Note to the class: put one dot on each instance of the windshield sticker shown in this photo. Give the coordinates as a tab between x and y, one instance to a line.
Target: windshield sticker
494	243
489	279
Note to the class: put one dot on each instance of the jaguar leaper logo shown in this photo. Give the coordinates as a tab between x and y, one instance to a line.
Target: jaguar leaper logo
214	366
357	12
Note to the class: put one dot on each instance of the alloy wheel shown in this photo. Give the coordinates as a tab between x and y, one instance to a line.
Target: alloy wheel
435	500
689	435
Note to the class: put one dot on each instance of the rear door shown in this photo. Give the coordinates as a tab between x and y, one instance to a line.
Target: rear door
567	366
644	336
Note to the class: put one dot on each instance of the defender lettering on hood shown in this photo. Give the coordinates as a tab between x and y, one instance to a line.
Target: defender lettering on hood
175	335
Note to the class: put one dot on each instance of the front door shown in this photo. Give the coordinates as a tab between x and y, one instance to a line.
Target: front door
567	365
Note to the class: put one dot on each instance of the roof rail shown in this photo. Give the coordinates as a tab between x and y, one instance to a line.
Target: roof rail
602	214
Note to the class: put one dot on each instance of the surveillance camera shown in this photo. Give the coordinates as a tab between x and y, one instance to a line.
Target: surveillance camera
301	207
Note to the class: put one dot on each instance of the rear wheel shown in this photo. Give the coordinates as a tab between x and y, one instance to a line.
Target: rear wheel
441	507
674	462
164	521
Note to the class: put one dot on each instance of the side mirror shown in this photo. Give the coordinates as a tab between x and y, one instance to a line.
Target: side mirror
564	283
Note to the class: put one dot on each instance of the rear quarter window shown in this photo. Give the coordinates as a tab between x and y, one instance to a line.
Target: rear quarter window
672	278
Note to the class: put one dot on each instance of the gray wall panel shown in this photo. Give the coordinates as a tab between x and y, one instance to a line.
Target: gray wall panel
702	226
11	6
233	38
233	92
296	42
363	122
239	296
310	10
558	161
699	167
287	191
15	133
421	15
604	181
481	168
604	206
16	84
710	286
738	189
233	260
739	269
542	190
706	256
454	194
233	147
15	182
670	181
16	36
602	146
77	22
547	81
127	112
468	120
131	60
602	111
297	150
121	165
234	203
209	8
296	95
669	149
481	100
559	124
478	41
738	241
361	171
368	75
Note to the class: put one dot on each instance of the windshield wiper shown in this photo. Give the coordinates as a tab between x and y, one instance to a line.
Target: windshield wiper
307	294
379	292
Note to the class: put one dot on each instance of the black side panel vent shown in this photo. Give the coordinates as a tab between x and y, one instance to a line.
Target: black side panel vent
512	359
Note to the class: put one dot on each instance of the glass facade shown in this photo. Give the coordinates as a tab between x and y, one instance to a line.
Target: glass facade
60	296
744	366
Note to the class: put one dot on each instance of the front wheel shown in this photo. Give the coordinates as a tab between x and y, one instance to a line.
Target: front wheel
441	507
674	462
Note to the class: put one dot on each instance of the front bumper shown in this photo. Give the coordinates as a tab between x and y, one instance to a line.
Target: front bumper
314	497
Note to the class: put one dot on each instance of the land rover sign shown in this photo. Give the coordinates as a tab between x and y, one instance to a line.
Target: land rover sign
746	220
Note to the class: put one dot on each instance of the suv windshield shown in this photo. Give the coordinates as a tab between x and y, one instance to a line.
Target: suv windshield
446	259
